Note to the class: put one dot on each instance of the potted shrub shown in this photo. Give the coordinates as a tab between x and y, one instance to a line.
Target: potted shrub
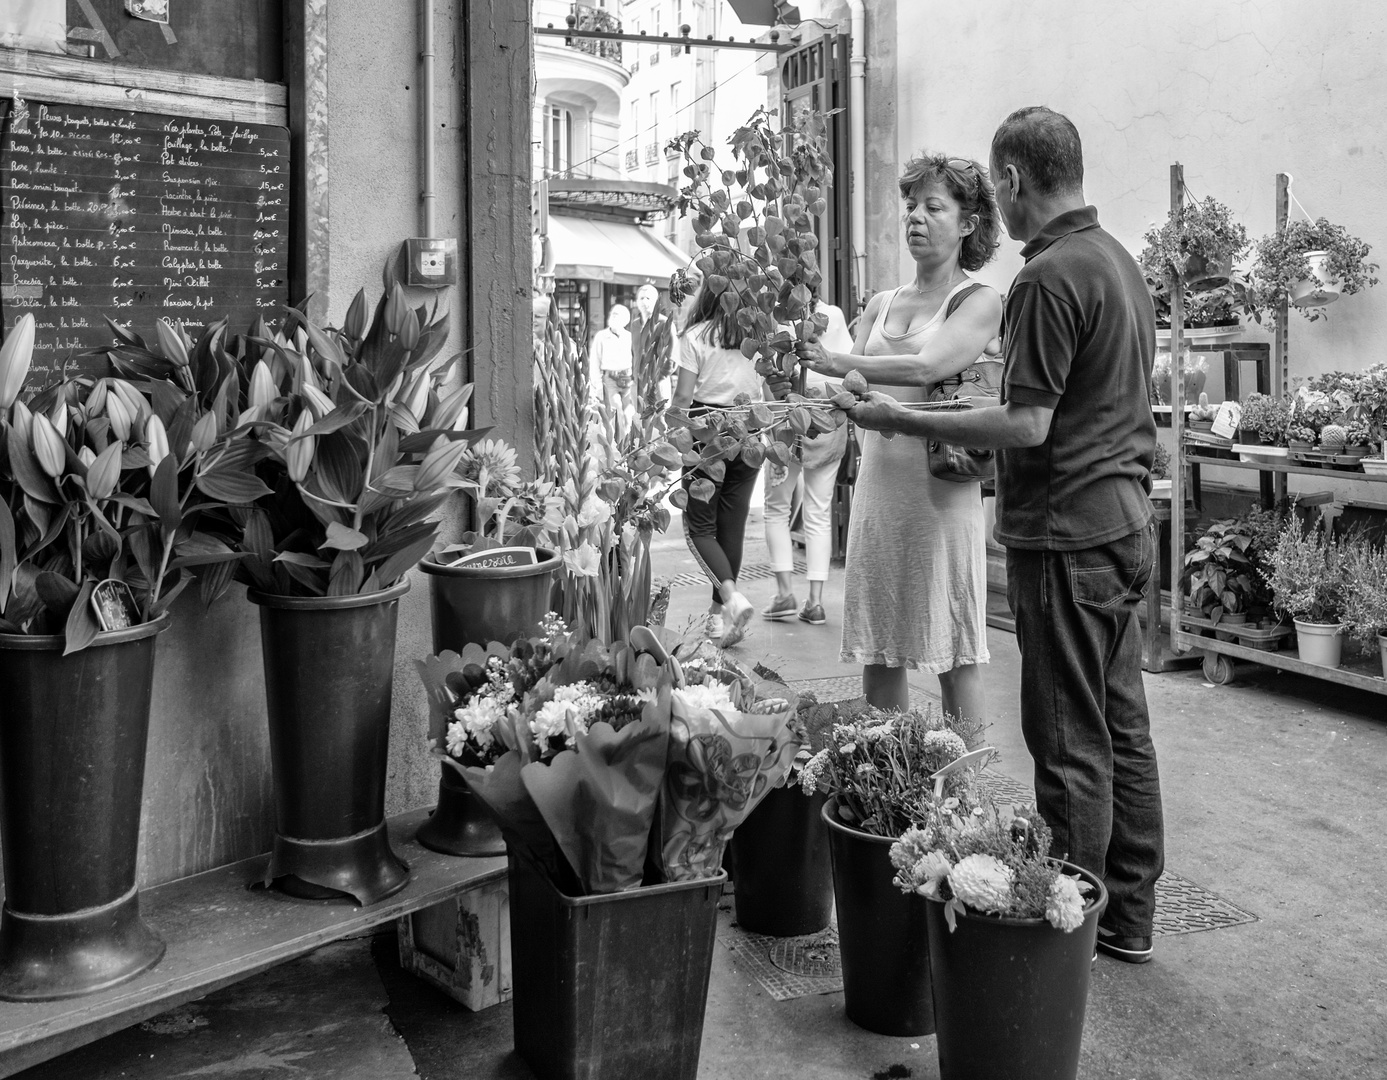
1160	473
1012	934
104	494
779	857
1308	264
1199	243
352	435
615	793
1365	603
1307	582
877	771
1266	419
1219	574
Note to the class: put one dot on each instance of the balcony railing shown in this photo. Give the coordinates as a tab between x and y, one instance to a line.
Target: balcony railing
592	18
652	153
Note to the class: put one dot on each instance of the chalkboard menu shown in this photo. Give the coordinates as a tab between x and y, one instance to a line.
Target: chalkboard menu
137	216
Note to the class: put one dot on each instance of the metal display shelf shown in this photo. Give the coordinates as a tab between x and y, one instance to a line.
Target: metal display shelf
1218	656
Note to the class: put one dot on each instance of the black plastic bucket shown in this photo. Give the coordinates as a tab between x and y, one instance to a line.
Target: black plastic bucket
1021	982
610	987
488	603
882	939
329	672
781	866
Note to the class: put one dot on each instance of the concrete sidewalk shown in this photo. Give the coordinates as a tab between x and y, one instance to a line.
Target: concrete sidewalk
1274	791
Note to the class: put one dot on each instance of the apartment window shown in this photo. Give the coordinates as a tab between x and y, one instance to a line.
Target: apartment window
655	117
558	134
655	15
679	124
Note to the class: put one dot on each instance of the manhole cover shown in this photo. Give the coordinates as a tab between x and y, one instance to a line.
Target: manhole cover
812	957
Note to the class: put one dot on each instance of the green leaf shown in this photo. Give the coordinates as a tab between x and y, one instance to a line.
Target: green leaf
346	574
9	553
394	542
27	472
315	581
168	596
702	489
402	561
345	414
215	580
81	629
231	486
343	538
300	558
337	468
163	495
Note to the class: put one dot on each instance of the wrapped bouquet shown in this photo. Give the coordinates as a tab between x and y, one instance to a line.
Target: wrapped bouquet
609	766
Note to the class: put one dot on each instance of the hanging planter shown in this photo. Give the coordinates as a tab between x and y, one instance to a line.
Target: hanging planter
1010	994
478	605
1207	272
1319	289
882	936
781	865
329	672
72	758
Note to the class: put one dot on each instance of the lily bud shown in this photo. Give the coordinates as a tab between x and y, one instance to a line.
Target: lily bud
136	406
249	415
355	323
96	400
453	406
156	441
48	446
103	473
409	330
300	340
59	419
86	456
298	455
395	309
22	420
307	376
171	343
438	463
318	401
419	400
15	356
119	415
205	432
394	387
262	387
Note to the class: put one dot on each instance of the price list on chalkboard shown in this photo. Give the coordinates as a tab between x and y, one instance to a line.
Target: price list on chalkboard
138	216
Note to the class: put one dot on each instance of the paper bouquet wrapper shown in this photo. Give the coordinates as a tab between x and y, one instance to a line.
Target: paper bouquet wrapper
599	801
721	764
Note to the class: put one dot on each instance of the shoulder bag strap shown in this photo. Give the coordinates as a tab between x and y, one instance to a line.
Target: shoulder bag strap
953	383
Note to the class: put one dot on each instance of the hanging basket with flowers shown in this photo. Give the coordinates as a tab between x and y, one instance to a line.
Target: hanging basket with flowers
1308	264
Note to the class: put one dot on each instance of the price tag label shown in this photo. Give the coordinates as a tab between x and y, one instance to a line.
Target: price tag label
1226	419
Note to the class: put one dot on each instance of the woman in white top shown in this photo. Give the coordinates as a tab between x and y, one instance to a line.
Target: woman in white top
915	594
817	466
712	373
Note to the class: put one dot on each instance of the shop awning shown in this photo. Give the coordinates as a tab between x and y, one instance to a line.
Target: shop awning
613	251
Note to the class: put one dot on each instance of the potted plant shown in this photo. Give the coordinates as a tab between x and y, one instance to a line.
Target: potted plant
1160	473
1307	582
104	494
353	432
1365	603
626	766
779	858
1266	419
1309	264
1012	934
877	770
1219	574
1199	243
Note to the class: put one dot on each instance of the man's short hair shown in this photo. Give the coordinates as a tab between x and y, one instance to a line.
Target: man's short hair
1043	145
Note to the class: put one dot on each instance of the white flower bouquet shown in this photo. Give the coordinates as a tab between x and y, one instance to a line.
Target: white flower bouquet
989	861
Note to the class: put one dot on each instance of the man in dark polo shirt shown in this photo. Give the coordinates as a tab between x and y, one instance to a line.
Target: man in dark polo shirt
1075	441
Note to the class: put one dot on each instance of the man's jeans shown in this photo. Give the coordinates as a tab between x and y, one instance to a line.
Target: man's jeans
1083	714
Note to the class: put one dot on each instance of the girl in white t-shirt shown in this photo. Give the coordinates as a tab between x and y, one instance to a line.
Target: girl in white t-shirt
713	372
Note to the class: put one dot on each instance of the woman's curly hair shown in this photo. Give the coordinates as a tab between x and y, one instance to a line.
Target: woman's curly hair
972	190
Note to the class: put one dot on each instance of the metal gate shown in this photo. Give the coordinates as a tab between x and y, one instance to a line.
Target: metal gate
815	76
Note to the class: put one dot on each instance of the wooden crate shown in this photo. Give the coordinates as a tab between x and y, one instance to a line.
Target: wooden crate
462	946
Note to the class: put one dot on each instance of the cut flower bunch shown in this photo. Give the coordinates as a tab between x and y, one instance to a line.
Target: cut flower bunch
989	860
880	765
610	766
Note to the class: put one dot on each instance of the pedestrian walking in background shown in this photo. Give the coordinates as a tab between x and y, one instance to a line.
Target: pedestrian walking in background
712	373
1076	441
611	358
812	475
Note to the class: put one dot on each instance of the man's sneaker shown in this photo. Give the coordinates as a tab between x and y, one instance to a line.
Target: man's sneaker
782	607
736	613
813	614
1130	950
712	627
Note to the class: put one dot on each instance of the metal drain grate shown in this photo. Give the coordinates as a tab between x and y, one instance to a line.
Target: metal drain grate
753	953
1182	907
757	572
814	957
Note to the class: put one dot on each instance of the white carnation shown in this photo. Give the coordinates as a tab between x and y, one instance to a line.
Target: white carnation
948	741
711	695
983	883
1064	907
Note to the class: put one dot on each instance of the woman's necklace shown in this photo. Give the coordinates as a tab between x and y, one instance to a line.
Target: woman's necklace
935	289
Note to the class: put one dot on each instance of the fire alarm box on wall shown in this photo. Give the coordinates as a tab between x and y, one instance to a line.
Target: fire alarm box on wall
431	263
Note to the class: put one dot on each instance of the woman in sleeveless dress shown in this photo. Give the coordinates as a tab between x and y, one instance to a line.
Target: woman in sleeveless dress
915	594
